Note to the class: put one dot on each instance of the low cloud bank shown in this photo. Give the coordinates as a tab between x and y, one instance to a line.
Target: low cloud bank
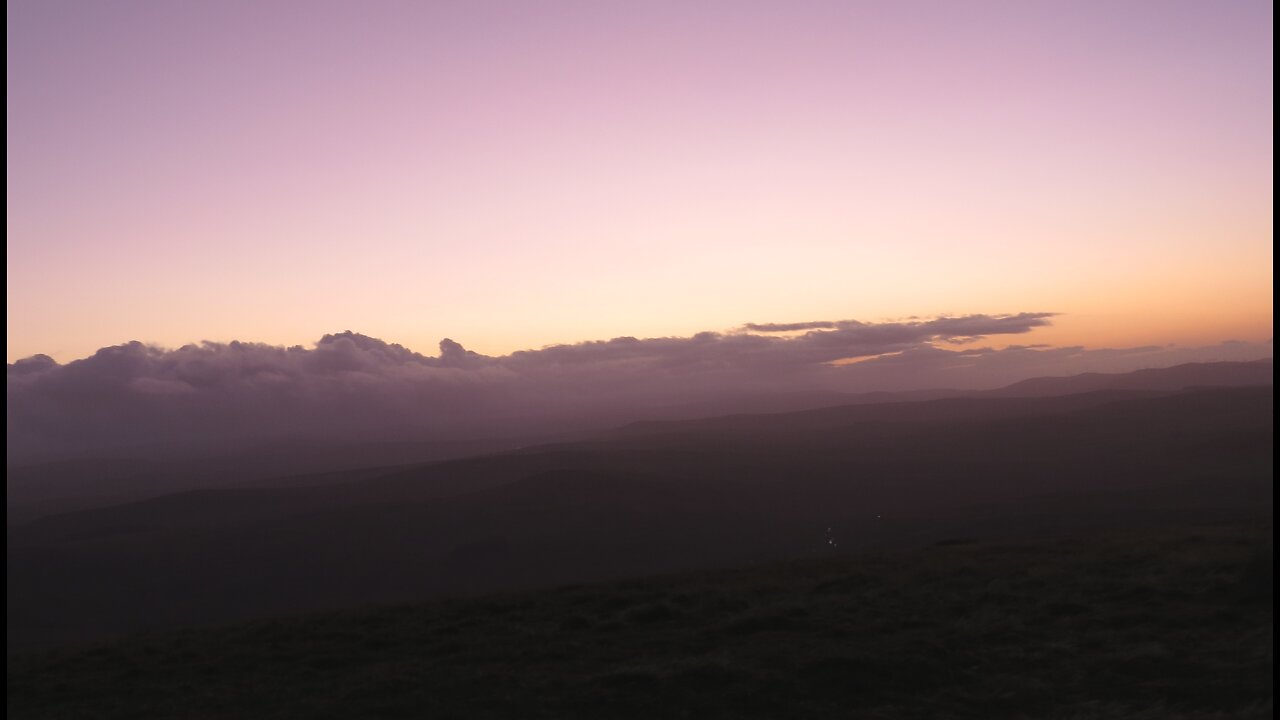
351	387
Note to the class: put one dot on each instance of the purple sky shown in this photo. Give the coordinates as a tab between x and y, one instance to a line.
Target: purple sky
516	174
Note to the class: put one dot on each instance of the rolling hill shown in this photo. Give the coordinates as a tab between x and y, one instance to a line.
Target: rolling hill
650	498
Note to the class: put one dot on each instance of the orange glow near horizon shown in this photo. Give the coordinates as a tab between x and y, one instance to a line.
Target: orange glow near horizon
515	179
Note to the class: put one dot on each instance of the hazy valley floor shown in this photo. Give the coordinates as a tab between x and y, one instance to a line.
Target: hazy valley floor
1156	624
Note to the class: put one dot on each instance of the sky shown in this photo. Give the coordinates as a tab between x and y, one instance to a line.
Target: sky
514	175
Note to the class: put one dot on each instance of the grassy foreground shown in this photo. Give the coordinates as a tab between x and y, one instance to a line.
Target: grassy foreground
1170	624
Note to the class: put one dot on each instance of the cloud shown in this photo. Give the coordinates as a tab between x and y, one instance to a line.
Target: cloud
947	328
789	327
350	387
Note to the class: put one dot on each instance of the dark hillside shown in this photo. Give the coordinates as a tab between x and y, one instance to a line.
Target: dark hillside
1170	379
1174	624
697	495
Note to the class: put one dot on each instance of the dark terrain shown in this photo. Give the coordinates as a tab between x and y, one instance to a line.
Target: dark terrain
654	497
128	474
1087	547
1171	624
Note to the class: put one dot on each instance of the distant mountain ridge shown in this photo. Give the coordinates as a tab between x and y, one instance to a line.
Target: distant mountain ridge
1170	379
35	491
1150	381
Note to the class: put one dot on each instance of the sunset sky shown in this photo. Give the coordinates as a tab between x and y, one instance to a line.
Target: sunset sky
517	174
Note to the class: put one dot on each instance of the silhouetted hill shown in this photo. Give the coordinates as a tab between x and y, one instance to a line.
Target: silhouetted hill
56	487
886	415
1171	379
1170	624
693	495
49	488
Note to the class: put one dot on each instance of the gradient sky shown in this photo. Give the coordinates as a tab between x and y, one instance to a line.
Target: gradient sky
514	174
